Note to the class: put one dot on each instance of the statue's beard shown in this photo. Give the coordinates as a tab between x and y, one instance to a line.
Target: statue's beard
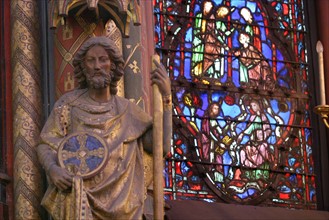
98	80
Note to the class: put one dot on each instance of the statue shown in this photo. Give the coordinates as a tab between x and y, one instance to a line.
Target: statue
92	143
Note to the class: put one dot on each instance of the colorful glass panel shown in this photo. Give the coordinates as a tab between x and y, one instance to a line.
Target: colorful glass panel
240	79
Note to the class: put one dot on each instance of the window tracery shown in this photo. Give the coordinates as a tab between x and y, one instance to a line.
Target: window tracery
239	75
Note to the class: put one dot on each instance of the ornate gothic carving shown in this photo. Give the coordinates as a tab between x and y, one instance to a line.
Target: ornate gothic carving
26	91
121	11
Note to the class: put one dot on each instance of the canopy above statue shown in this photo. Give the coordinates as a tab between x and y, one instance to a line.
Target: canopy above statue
121	11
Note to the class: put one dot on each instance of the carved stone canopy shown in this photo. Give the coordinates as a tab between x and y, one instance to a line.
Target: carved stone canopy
121	11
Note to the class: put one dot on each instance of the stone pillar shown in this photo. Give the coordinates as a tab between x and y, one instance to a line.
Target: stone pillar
27	108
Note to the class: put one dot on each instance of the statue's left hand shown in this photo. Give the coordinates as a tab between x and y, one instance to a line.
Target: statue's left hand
160	77
60	177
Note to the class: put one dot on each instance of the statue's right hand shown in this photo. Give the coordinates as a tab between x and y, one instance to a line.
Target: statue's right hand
60	177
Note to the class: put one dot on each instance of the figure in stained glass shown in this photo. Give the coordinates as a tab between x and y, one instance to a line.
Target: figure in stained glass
210	41
256	149
215	138
251	28
255	71
256	152
203	25
210	131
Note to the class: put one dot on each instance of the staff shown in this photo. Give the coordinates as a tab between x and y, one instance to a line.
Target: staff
157	148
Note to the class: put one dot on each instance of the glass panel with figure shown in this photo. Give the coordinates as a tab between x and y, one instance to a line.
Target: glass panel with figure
239	76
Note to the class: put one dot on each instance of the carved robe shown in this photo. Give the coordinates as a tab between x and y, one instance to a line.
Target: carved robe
117	191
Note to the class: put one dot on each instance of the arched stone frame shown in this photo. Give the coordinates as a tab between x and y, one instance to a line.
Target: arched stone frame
76	21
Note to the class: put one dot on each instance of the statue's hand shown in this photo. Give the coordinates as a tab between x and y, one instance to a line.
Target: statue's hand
61	178
160	77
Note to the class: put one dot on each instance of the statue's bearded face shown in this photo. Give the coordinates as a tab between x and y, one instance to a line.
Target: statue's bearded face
97	67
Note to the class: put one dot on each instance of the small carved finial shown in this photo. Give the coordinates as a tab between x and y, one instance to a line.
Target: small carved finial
92	4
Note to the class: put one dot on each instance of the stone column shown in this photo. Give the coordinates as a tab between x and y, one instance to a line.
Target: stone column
27	108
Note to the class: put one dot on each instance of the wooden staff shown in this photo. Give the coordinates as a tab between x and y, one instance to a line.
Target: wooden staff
158	203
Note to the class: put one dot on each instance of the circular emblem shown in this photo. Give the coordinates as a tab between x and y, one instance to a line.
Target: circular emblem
83	154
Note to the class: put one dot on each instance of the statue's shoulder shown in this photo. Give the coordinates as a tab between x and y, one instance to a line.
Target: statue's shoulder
70	97
126	103
121	100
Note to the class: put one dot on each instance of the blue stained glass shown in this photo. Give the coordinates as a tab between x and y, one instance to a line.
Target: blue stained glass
272	139
218	2
240	127
184	148
278	7
235	15
184	168
205	102
187	112
285	189
197	8
293	179
292	161
238	4
187	68
176	72
189	35
283	83
216	97
198	121
252	6
267	52
263	33
231	111
178	156
300	47
226	160
188	45
281	66
259	19
299	170
275	105
179	178
195	179
279	55
307	134
312	194
246	194
286	114
221	123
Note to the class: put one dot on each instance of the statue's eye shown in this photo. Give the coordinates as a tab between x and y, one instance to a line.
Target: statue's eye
104	59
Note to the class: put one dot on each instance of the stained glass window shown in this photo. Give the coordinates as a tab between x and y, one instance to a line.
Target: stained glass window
241	112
